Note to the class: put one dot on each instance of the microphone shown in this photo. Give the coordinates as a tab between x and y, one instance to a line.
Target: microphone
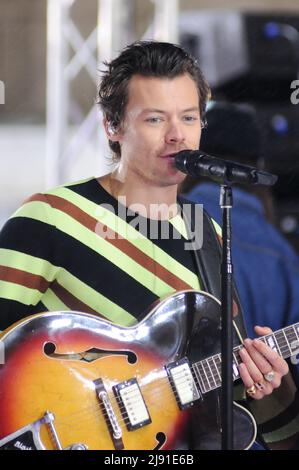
198	163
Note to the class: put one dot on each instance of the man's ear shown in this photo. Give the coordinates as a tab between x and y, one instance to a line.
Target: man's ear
111	132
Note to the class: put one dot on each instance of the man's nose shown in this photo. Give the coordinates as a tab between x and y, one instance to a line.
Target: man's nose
174	133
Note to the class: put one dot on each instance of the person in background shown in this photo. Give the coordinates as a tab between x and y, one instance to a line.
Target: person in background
266	268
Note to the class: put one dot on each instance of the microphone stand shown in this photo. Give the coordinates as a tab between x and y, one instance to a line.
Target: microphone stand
226	204
196	163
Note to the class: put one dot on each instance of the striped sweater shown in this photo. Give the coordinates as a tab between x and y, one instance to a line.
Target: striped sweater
76	248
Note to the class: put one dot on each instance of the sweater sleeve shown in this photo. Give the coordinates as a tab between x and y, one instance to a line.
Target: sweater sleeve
27	260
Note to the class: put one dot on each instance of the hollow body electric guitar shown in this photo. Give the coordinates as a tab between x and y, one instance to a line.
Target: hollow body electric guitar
71	380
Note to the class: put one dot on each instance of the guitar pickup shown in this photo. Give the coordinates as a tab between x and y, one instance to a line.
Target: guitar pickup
183	383
131	400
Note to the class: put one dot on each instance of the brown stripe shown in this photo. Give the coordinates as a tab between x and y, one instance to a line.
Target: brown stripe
151	265
23	278
115	239
67	207
36	197
71	301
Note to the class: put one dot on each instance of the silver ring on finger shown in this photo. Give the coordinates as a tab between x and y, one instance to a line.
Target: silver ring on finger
270	376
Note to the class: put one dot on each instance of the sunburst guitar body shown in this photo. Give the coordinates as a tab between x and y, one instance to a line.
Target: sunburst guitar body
71	380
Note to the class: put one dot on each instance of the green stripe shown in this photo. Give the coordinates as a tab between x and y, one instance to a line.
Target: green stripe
94	299
118	225
70	226
77	288
41	210
217	227
25	295
284	432
28	263
52	302
179	224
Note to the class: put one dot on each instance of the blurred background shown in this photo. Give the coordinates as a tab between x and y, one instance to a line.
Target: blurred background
50	58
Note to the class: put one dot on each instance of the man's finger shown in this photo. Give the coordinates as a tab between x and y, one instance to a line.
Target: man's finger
262	330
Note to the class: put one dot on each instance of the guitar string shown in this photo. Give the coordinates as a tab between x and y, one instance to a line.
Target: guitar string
121	407
84	414
100	407
181	379
122	421
215	377
206	383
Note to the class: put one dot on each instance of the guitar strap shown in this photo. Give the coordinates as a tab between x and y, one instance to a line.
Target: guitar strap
207	261
277	416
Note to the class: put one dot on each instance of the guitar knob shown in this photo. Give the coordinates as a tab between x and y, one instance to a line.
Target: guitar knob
77	447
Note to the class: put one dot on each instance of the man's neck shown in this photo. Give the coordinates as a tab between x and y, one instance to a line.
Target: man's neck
151	201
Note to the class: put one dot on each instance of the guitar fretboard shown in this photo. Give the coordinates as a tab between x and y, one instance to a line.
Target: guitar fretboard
208	371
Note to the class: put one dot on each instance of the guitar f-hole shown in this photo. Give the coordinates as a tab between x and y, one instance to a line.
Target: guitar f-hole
90	355
161	439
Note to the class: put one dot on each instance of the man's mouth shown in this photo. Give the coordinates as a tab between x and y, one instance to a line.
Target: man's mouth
169	156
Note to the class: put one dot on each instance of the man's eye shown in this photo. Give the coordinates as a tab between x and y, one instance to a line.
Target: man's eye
154	120
190	118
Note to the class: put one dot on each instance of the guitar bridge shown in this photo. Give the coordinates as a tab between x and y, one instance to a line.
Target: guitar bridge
112	422
183	384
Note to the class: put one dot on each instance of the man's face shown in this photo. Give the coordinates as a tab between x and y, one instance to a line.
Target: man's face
162	117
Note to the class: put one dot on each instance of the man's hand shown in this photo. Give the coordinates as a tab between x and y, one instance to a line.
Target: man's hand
262	368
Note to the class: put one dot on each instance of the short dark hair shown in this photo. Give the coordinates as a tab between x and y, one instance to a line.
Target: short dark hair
150	59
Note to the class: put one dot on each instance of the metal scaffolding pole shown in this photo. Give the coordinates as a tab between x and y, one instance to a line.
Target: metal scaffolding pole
113	33
166	20
57	89
114	29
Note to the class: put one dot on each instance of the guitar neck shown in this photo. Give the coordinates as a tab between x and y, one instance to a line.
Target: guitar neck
208	371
